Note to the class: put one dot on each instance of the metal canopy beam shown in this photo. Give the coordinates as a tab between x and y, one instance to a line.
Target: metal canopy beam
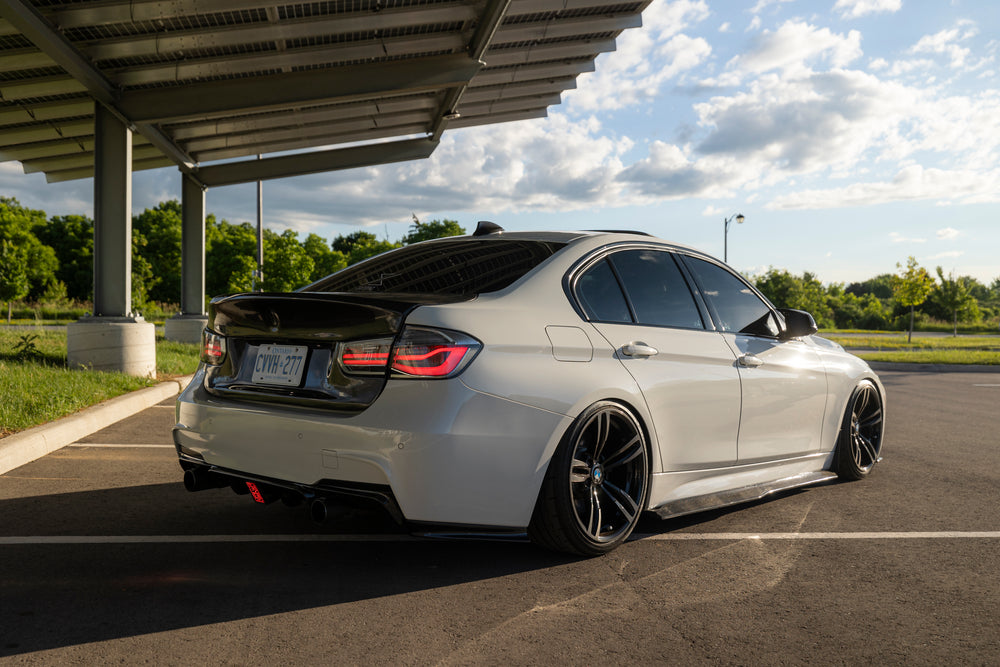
314	140
204	100
40	32
206	68
312	163
345	23
302	116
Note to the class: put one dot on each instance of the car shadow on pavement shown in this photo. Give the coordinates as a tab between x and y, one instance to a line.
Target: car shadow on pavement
63	594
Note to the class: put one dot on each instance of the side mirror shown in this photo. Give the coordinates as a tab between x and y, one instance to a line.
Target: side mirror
798	323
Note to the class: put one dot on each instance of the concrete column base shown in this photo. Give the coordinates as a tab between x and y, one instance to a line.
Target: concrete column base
124	344
184	328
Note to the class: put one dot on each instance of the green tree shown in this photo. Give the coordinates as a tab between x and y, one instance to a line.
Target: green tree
435	229
881	286
782	288
230	256
13	274
912	287
143	278
954	296
325	259
72	239
361	245
16	226
287	265
160	228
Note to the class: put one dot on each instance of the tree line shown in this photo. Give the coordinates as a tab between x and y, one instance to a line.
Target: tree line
50	260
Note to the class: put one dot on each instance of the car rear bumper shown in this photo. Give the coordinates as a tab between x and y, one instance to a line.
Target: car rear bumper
438	451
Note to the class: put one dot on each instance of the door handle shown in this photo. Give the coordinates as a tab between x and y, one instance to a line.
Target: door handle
638	349
750	361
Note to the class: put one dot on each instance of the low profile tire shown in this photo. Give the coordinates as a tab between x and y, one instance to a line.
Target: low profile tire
859	446
596	484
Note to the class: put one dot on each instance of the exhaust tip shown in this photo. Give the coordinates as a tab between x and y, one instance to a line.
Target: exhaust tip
190	480
318	510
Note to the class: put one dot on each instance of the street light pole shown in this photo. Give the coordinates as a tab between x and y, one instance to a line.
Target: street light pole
725	234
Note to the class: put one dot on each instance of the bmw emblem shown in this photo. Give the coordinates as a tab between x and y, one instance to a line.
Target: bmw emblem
597	474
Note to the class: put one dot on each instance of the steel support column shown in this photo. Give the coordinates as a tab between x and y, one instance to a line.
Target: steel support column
114	338
112	216
186	326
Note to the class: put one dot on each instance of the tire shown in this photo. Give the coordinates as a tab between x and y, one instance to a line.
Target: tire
859	446
596	484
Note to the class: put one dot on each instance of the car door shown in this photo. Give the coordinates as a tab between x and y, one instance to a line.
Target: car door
639	300
783	381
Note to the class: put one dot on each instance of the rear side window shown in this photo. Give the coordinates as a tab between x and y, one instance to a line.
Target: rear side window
462	267
600	296
657	290
737	307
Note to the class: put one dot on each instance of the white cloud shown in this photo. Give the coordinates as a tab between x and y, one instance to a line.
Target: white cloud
896	237
763	4
645	59
950	254
853	9
946	42
913	183
725	27
948	234
792	49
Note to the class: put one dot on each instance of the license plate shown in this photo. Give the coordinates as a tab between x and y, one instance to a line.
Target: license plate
279	364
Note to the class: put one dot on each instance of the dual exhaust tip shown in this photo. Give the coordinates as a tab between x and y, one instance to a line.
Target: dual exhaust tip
201	480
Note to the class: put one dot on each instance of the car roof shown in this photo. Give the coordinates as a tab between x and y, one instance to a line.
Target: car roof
596	236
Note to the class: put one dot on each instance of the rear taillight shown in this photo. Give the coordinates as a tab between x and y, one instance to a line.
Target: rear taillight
419	353
213	348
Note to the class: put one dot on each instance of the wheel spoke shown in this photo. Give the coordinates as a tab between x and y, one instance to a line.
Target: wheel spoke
594	523
871	420
621	500
579	471
628	452
869	448
603	423
862	402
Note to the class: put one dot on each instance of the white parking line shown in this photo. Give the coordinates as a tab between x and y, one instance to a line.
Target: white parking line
198	539
105	445
942	535
658	537
986	385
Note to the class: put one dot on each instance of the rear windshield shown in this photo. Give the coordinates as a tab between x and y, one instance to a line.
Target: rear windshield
460	267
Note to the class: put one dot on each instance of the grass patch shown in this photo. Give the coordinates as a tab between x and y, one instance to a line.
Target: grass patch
897	342
37	387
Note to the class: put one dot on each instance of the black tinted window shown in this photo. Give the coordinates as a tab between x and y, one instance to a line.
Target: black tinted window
600	296
736	305
459	267
657	289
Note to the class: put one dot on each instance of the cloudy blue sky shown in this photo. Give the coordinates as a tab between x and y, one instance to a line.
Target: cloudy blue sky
850	133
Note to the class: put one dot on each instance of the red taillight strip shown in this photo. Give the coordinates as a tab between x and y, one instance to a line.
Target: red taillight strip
452	358
362	359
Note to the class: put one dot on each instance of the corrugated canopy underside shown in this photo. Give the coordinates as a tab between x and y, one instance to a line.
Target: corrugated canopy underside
212	81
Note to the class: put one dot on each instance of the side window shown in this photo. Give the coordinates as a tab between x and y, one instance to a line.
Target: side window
736	305
659	294
600	296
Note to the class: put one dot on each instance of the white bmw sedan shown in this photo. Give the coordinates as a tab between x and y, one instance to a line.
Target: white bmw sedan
555	383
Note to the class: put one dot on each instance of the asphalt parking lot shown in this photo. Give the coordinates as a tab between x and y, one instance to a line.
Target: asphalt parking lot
104	557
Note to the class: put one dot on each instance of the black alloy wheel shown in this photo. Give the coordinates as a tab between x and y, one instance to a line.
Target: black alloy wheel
596	485
859	447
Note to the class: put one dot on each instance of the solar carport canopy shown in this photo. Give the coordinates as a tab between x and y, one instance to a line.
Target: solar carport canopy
206	82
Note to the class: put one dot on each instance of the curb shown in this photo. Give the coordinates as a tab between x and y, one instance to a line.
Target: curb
26	446
932	368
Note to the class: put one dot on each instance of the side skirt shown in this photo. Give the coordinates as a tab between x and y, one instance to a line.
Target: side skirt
742	495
